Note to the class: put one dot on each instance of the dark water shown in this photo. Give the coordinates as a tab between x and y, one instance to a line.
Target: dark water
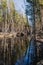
12	49
22	52
30	56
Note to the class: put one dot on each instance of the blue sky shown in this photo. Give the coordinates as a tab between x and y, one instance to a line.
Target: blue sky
20	6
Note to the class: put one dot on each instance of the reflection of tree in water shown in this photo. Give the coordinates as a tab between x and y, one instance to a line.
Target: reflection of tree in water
12	51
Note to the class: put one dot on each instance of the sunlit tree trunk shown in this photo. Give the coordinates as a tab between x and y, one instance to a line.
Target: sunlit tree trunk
12	26
6	22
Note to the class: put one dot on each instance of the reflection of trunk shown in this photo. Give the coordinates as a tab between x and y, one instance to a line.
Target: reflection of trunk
9	51
4	49
12	43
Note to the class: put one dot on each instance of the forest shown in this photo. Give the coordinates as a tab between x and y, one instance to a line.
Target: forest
21	32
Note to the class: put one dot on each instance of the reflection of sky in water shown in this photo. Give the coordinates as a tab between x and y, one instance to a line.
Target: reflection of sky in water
30	56
20	6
